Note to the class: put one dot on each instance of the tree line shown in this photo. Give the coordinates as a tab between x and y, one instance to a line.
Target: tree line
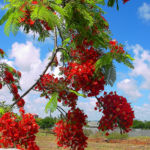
137	124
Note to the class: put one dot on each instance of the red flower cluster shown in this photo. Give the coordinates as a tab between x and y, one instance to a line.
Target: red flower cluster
27	20
117	112
2	52
8	77
14	133
68	98
70	132
81	71
18	133
14	90
51	84
34	2
45	24
115	48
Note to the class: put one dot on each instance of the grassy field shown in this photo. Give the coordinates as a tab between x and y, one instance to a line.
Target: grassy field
97	142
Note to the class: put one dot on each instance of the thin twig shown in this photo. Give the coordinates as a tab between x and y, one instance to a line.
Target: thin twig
61	109
99	102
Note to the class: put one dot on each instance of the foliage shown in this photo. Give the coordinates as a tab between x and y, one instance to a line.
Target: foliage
52	104
46	122
137	124
4	108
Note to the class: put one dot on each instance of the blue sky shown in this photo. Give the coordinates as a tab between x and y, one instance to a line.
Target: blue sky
130	26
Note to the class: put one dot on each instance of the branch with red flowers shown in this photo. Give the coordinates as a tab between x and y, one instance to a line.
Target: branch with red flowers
58	107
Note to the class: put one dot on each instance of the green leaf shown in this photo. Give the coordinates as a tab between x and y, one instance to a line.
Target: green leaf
65	42
2	111
6	16
104	60
58	1
128	56
10	69
111	3
78	94
52	104
109	72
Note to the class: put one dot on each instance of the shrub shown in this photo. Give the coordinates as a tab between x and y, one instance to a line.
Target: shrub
116	135
138	124
47	122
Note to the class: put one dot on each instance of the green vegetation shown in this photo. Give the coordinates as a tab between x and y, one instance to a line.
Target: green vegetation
47	122
4	108
116	135
141	125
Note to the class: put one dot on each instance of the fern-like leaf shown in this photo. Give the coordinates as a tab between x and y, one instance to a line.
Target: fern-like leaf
6	16
109	72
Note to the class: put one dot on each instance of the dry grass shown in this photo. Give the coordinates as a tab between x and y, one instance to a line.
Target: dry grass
97	142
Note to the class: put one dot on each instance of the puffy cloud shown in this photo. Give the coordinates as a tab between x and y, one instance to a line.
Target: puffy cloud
142	112
129	87
26	56
141	65
144	11
141	69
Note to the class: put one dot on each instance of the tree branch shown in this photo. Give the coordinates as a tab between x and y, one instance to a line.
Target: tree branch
55	38
99	102
48	65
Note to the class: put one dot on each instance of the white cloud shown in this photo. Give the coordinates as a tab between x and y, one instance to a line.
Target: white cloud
129	87
88	108
144	11
11	63
5	95
141	65
26	56
142	112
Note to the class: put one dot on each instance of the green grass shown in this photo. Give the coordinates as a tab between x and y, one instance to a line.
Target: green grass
116	135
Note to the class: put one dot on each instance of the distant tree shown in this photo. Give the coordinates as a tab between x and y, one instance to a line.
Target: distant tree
147	124
138	124
47	122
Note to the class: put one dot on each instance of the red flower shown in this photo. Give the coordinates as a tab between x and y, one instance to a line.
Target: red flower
21	103
124	1
113	42
34	2
8	76
19	73
14	88
0	86
1	52
31	22
106	133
